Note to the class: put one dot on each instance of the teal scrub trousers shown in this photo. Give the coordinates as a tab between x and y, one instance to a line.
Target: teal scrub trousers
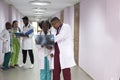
45	74
7	57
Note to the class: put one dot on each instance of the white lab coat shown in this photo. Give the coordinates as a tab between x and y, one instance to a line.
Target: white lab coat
5	37
27	42
65	44
42	52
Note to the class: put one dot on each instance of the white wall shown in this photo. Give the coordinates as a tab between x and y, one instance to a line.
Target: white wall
56	15
15	15
92	37
100	38
112	68
69	16
3	14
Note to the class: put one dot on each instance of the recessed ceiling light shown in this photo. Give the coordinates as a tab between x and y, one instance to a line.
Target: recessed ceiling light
36	2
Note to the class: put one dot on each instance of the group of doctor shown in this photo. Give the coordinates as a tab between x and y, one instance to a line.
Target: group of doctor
51	59
60	56
11	44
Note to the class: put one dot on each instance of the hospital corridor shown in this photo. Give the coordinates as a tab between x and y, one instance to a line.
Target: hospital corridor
34	74
59	39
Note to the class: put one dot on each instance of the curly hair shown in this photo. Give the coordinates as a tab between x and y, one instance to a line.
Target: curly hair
44	22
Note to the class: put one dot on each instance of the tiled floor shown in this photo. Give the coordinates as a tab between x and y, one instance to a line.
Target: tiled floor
33	74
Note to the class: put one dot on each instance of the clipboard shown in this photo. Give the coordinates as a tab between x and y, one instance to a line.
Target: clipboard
23	34
19	34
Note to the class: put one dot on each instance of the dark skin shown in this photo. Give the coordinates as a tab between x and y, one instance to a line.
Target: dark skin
8	25
45	28
25	21
56	23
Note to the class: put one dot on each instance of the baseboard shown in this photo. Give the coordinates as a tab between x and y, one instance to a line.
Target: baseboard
85	72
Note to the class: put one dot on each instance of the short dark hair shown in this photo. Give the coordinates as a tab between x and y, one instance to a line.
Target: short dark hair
46	22
7	23
55	18
25	18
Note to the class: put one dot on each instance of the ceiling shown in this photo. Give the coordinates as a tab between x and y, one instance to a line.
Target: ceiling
55	6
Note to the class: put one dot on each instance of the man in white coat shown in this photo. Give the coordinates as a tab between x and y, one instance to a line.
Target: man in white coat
63	56
27	42
5	36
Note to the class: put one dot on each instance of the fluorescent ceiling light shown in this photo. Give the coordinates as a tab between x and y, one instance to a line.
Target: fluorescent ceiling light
39	9
36	2
37	16
38	13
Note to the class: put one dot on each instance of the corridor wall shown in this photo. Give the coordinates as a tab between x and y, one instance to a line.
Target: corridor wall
15	15
69	17
100	38
4	14
92	37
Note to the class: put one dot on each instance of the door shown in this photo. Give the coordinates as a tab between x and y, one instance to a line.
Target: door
76	32
62	16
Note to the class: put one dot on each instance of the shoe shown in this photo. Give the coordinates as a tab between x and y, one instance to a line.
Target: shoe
16	65
3	68
31	66
22	65
12	66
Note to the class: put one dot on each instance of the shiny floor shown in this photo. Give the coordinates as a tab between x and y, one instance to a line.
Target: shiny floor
33	74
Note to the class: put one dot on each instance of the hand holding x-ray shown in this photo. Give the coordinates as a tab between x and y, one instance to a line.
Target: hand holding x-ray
44	40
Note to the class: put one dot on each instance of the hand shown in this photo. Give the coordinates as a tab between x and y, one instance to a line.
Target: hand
24	35
51	55
48	47
5	40
42	46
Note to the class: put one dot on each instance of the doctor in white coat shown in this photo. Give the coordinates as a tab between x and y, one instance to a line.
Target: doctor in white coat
27	42
45	55
6	47
63	56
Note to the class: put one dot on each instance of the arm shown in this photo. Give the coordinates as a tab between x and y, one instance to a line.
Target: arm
31	33
2	36
19	29
63	33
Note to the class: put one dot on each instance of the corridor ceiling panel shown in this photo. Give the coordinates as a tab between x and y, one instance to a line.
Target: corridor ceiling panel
26	8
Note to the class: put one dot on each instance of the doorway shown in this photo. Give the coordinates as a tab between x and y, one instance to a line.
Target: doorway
76	32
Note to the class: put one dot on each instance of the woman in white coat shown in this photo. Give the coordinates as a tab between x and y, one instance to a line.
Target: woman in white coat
63	56
6	49
27	42
45	57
